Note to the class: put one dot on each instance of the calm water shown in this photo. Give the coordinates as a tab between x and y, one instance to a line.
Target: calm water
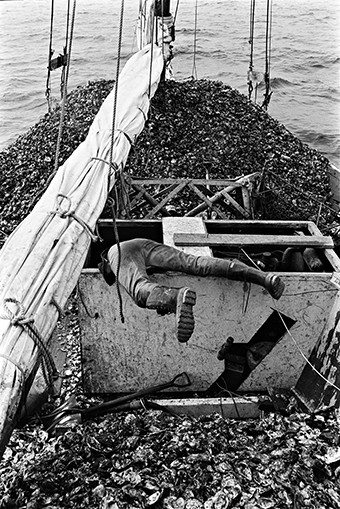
305	64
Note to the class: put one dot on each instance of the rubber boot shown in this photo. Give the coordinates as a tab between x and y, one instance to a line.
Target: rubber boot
179	301
239	271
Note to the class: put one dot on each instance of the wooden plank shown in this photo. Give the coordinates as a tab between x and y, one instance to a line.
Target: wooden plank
232	408
264	225
231	240
160	205
210	182
333	259
233	203
246	200
207	203
149	198
172	225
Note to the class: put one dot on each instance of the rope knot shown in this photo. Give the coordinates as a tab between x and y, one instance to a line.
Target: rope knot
18	317
63	213
67	212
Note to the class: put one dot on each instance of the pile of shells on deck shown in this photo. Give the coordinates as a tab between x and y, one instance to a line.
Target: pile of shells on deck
194	128
150	458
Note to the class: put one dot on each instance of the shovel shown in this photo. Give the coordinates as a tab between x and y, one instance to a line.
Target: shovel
69	413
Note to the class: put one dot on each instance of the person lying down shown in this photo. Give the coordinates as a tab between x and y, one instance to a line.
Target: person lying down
138	255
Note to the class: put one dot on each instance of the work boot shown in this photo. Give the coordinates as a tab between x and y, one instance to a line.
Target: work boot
271	282
239	271
274	284
179	301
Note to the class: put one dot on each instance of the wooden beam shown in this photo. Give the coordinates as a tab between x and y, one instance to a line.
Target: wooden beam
233	203
266	224
232	240
207	203
232	408
160	205
211	182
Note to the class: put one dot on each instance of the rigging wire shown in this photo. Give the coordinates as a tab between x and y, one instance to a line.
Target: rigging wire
59	61
268	91
63	72
64	92
194	69
251	42
50	51
152	35
176	11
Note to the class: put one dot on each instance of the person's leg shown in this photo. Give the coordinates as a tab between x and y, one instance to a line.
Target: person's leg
133	276
169	258
130	268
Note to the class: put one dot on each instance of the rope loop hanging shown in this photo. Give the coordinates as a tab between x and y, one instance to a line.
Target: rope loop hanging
19	317
67	213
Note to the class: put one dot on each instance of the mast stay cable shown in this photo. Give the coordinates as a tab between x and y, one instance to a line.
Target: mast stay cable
251	42
194	69
268	91
60	60
64	92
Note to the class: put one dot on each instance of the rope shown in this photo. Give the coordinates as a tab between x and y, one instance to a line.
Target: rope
114	112
64	93
66	213
268	92
49	369
115	229
12	361
251	42
176	11
48	79
62	81
194	70
151	55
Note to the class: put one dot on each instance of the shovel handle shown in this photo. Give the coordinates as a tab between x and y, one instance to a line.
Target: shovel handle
181	380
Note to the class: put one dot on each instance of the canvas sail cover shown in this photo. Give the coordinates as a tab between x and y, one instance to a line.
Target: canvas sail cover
42	259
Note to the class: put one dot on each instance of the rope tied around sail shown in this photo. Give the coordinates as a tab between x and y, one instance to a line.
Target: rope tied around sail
20	317
67	213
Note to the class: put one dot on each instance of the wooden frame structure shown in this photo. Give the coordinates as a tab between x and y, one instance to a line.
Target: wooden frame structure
226	198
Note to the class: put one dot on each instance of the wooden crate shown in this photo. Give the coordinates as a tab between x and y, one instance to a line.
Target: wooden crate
143	351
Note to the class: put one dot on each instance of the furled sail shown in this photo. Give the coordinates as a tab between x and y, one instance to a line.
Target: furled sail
42	259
